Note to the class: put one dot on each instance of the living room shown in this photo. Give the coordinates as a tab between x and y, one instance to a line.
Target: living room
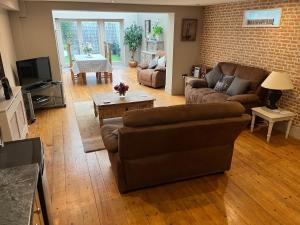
248	174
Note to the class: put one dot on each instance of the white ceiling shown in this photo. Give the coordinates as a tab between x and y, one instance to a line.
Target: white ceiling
152	2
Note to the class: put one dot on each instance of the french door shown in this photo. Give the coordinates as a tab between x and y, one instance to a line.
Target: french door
77	34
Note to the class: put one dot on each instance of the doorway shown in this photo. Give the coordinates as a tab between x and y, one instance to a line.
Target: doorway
76	34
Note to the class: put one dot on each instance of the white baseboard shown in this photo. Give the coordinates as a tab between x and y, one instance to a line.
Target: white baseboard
294	132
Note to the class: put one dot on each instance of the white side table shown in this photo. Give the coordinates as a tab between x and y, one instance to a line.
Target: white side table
273	116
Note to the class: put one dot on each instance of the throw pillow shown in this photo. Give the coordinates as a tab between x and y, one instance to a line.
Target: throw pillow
224	83
213	77
153	63
161	61
238	86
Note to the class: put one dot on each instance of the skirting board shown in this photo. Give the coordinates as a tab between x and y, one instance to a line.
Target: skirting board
294	132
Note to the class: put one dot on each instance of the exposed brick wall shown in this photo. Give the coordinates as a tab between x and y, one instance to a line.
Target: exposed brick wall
224	39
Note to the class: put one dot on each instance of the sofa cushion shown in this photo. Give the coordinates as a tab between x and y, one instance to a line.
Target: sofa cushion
198	83
215	97
224	83
255	75
238	86
213	77
153	63
181	113
161	61
227	68
195	95
109	135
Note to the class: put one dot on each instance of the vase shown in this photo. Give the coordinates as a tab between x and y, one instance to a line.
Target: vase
132	63
122	96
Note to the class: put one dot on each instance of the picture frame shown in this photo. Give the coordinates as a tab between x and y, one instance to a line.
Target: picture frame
189	29
197	72
262	18
147	27
2	73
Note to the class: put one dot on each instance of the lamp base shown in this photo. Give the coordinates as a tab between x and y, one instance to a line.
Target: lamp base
273	97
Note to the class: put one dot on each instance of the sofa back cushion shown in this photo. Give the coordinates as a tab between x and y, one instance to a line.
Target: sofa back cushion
227	68
224	83
181	113
213	76
238	86
255	75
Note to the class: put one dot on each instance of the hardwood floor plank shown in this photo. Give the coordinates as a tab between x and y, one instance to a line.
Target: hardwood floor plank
262	186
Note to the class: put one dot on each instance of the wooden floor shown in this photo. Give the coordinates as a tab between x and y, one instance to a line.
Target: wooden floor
262	187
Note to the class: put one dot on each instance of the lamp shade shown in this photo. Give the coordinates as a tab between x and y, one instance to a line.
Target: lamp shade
278	80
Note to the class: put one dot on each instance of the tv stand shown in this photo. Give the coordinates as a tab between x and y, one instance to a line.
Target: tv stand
37	86
43	96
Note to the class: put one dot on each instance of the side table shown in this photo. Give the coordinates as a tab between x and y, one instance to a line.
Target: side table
273	116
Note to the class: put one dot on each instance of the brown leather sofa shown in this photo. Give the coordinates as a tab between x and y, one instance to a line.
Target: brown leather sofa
155	78
255	96
166	144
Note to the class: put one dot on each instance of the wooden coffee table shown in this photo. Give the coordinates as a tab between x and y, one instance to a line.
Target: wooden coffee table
109	105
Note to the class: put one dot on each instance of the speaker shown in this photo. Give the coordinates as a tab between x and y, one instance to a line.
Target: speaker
6	87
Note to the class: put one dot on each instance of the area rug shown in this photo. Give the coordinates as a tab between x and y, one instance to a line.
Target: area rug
88	126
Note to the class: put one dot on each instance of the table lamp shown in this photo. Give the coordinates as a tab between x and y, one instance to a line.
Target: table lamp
276	82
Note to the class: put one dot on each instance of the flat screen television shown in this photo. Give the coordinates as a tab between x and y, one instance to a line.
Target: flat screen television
34	71
2	74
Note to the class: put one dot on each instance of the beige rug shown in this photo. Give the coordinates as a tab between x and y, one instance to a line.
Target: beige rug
88	126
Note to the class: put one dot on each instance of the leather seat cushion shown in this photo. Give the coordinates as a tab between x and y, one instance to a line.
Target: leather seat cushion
215	97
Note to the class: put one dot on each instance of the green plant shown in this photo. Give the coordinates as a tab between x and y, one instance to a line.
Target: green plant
133	38
157	30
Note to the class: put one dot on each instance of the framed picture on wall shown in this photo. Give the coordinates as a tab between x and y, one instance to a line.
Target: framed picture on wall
189	29
147	27
2	74
262	18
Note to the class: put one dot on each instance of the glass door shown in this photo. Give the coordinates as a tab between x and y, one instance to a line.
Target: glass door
70	40
90	35
112	33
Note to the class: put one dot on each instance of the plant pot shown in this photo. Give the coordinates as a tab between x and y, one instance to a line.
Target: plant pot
132	63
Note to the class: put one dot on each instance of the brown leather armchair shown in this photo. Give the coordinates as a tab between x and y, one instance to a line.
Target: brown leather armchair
155	78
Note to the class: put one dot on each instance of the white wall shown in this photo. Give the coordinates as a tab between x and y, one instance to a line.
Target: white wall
34	33
160	18
7	47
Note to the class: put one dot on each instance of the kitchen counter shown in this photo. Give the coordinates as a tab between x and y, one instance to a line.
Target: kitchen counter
17	190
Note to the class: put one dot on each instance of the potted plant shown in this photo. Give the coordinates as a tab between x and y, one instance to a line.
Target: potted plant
157	31
133	38
121	89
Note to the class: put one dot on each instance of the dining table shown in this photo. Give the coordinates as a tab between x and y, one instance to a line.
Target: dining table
93	63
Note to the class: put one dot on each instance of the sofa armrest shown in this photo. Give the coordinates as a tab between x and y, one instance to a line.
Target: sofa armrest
143	66
244	99
198	83
110	138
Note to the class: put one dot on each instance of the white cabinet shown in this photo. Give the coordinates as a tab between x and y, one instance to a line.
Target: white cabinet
13	121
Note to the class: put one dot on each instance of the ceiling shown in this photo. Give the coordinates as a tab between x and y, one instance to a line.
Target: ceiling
152	2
